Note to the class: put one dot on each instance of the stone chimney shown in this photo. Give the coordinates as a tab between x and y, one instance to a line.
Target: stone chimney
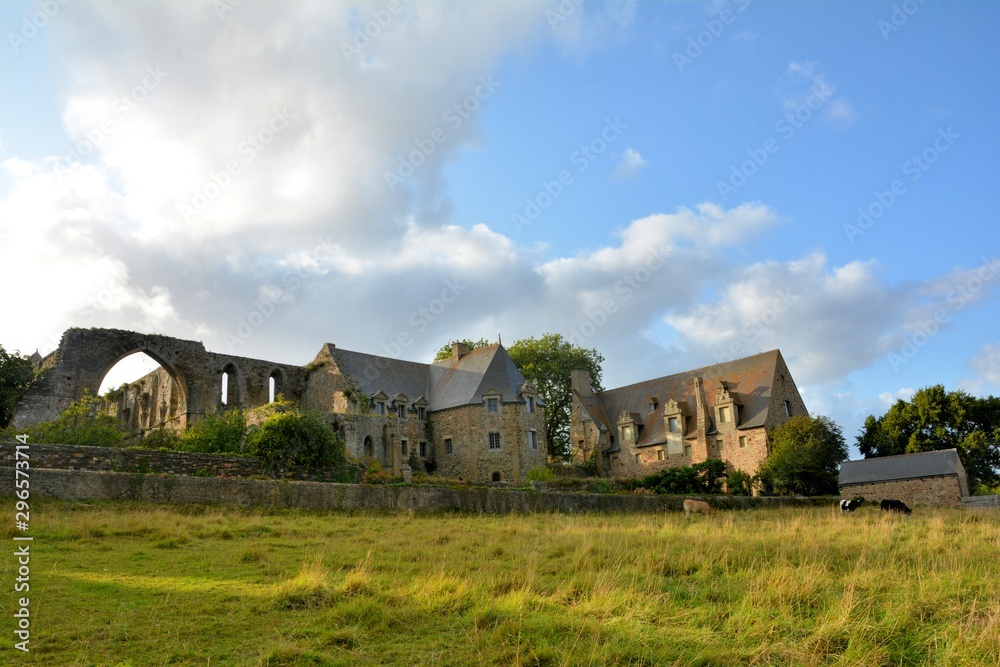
701	415
459	350
580	382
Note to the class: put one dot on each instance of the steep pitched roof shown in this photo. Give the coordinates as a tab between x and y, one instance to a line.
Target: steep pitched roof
464	381
903	466
373	373
749	381
444	384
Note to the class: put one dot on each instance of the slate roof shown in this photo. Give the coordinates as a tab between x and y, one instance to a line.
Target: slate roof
444	384
748	380
903	466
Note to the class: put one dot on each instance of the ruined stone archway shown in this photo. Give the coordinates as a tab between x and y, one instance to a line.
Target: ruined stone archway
84	357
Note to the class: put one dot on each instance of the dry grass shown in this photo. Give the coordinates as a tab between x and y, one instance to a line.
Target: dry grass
783	587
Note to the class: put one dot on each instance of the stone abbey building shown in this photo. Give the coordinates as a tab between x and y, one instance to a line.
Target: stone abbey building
471	416
716	412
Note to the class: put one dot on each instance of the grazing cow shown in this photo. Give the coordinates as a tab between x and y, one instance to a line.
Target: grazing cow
850	505
697	507
895	506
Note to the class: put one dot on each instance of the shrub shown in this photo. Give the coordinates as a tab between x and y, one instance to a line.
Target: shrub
541	474
80	424
704	477
216	433
739	483
296	439
160	438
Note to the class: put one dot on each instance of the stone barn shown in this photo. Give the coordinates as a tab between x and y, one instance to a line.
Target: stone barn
934	479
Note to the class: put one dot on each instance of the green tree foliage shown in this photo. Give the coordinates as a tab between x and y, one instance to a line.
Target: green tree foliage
704	477
288	440
805	457
937	419
216	433
16	373
547	362
80	424
445	351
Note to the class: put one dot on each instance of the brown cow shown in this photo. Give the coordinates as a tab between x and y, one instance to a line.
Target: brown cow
697	507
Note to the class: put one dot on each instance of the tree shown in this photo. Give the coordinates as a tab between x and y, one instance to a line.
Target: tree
937	419
445	351
16	373
546	363
805	456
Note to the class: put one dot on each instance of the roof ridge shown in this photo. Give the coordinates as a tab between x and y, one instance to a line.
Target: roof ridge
690	371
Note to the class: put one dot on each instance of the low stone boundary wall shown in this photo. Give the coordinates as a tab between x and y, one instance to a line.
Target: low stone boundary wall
88	486
114	459
981	502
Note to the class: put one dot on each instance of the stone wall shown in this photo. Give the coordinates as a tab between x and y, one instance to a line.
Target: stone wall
79	457
468	427
93	486
84	357
943	491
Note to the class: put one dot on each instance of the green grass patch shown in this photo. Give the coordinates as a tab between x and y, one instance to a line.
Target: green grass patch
132	584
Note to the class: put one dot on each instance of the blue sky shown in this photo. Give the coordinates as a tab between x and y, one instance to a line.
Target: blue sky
672	183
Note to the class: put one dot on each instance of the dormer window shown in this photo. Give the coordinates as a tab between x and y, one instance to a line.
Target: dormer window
652	402
529	404
673	424
401	411
420	407
400	403
379	402
727	408
628	427
492	405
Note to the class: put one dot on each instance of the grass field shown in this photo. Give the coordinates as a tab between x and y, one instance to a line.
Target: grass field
131	585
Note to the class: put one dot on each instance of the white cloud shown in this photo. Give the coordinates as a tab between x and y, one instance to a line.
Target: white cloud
889	398
630	165
986	364
802	89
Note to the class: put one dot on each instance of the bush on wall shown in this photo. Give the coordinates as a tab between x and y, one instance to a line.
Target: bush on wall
296	440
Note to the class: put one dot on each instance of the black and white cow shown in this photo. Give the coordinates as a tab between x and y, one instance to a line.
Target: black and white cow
849	505
895	506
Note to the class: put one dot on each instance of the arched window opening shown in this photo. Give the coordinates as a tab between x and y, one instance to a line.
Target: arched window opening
496	477
275	386
369	446
224	396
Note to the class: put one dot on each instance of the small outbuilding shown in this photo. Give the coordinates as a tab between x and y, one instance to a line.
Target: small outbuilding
935	479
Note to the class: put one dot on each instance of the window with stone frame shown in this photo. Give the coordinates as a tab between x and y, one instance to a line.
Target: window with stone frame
660	455
723	414
492	404
423	449
673	424
404	447
743	441
529	404
494	440
448	447
532	439
401	411
421	412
